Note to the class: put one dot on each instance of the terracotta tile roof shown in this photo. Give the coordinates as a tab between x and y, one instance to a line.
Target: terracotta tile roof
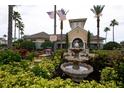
95	38
41	35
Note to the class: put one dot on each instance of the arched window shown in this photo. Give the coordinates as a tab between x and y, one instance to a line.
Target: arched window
81	44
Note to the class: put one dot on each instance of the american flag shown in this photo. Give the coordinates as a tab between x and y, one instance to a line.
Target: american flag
62	15
51	14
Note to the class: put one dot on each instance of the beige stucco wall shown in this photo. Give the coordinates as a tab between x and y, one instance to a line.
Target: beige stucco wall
38	43
77	33
40	40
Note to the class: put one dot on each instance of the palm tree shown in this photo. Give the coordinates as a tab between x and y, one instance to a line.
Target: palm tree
10	13
22	33
61	23
20	26
106	30
113	24
16	18
97	10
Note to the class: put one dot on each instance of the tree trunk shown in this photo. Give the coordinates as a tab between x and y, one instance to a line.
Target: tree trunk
10	8
106	37
15	31
54	19
113	33
19	34
61	27
98	25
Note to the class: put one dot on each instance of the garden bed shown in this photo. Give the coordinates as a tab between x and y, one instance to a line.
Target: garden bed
108	72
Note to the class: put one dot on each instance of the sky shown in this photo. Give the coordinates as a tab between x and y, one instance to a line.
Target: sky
35	18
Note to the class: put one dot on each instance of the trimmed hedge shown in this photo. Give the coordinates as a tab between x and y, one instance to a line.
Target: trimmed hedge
111	46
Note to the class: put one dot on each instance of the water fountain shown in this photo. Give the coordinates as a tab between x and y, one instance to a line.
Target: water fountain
75	67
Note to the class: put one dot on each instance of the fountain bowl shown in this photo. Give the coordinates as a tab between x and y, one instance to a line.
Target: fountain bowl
77	75
76	50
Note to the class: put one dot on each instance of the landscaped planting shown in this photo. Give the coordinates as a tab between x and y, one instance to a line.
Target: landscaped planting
108	73
7	56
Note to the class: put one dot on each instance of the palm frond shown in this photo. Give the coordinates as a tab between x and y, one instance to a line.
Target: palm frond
97	10
107	29
114	22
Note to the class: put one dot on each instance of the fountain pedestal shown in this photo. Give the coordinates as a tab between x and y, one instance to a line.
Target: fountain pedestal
75	65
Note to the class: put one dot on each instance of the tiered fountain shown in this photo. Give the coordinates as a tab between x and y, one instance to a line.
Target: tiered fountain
75	67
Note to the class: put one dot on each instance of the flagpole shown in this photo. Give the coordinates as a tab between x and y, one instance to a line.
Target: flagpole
54	19
54	47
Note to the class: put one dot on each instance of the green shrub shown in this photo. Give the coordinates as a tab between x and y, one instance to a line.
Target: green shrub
28	80
16	44
25	65
24	74
111	46
109	74
104	58
121	72
47	44
3	46
44	69
38	71
29	45
30	56
122	44
57	57
7	56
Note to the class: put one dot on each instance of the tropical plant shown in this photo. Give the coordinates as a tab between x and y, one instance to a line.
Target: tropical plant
61	23
106	30
7	56
30	56
22	33
121	72
97	10
10	8
17	19
113	24
26	74
108	74
20	26
16	44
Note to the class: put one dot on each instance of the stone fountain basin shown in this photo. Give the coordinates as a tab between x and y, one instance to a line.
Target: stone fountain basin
77	75
84	68
72	59
76	49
